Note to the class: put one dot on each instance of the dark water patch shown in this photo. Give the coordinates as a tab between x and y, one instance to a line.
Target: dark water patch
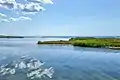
67	67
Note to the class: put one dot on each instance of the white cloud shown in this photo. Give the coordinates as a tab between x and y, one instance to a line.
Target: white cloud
34	1
48	1
19	6
24	18
13	19
5	20
3	15
29	8
7	4
20	18
29	13
32	7
42	1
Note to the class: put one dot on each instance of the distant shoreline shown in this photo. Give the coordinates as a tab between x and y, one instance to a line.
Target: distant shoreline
6	36
12	37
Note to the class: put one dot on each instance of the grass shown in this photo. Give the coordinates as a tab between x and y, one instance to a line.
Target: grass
54	42
113	43
96	42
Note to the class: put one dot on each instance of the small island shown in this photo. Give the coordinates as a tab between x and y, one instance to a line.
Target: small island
110	43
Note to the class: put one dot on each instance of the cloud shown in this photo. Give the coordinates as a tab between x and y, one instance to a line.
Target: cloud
3	15
34	1
7	4
29	13
5	20
29	8
42	1
24	8
19	6
48	1
32	7
20	18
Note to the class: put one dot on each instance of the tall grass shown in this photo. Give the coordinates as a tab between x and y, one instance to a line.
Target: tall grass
96	42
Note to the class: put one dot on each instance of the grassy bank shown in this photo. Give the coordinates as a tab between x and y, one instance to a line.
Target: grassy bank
112	43
54	42
97	42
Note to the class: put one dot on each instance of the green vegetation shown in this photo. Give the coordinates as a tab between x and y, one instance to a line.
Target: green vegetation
81	38
54	42
112	43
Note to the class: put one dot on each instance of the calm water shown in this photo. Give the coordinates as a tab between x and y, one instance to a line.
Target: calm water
69	63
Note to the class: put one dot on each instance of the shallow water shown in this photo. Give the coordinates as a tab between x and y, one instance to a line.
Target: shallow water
69	63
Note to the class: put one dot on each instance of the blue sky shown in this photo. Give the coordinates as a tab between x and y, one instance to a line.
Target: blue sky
68	17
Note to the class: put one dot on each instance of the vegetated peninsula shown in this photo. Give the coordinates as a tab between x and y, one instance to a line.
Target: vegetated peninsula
4	36
111	43
54	42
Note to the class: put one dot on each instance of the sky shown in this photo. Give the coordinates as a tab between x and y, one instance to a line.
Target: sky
60	17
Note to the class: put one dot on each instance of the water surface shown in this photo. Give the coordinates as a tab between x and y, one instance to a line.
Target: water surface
69	63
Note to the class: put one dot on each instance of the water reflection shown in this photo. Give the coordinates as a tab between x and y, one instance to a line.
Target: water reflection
69	63
96	50
29	67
